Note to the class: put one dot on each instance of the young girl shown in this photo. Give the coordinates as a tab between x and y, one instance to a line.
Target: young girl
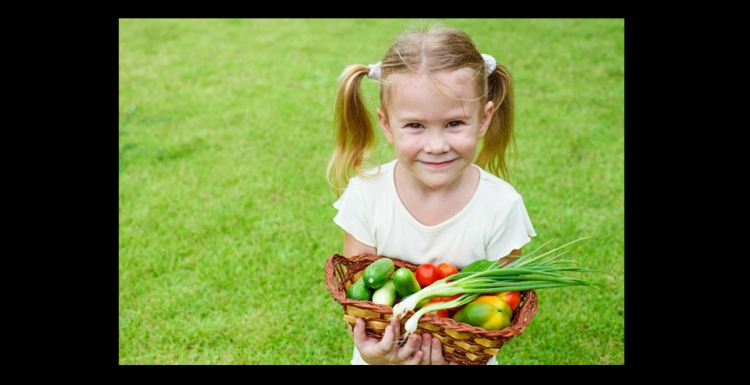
435	202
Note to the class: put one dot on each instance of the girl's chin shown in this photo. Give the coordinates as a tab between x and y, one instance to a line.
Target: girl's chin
436	183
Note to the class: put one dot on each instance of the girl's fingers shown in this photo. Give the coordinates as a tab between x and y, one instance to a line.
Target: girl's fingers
389	343
427	344
359	334
416	359
437	352
407	350
411	353
396	328
418	349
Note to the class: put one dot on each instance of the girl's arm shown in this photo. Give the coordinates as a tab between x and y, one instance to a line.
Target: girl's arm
514	254
353	247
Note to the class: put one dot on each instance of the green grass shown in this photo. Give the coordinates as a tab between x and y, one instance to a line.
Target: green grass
225	215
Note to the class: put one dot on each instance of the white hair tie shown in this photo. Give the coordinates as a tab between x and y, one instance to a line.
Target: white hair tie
489	62
374	71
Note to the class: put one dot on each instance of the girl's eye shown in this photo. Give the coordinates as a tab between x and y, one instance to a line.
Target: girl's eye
454	123
414	125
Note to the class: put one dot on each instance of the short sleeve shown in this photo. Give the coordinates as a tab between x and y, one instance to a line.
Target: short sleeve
353	214
512	230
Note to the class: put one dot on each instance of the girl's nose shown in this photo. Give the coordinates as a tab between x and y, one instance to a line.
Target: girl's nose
436	143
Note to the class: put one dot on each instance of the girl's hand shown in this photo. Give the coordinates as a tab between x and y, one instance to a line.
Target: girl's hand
417	350
387	351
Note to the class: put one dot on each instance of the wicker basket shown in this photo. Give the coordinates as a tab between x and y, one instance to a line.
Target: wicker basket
462	343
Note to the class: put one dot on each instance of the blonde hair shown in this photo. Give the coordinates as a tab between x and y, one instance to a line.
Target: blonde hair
428	52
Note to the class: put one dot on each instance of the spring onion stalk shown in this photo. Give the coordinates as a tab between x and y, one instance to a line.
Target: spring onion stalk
528	272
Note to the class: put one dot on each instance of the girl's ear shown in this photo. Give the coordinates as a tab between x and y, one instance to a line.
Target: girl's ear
384	126
489	108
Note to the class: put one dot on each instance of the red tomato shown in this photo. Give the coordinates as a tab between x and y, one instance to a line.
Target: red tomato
426	274
446	299
446	270
445	313
512	298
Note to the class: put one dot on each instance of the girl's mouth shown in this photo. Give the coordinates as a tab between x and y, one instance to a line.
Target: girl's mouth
438	164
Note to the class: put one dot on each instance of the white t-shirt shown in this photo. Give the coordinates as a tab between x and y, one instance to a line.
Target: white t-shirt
492	224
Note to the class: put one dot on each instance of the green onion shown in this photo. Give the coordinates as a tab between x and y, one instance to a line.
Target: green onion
528	272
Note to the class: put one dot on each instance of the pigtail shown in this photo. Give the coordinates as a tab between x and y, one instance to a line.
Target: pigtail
500	135
355	137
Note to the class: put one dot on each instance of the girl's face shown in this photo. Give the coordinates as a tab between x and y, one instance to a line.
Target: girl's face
434	126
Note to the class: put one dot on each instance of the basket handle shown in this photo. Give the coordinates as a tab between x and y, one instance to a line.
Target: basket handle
335	270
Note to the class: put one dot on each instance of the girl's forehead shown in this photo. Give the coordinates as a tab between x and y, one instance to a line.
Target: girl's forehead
453	84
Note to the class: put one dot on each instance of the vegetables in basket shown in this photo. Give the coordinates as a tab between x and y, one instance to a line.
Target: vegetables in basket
512	298
528	272
487	311
386	294
405	281
359	291
378	273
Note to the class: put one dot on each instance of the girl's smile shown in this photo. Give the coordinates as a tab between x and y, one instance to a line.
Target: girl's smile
438	164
